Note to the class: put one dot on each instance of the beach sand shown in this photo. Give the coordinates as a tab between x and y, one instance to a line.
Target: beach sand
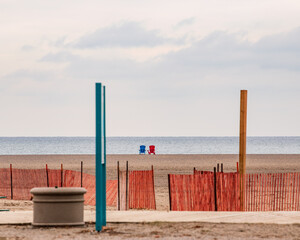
163	165
186	231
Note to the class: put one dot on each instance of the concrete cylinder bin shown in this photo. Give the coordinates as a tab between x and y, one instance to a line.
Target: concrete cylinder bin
58	206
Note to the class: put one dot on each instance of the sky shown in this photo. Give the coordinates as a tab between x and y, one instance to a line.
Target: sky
171	68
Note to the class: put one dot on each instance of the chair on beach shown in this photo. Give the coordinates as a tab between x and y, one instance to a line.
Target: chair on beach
151	149
142	149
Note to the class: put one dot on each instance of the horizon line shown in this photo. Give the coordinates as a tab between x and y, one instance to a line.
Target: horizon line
149	136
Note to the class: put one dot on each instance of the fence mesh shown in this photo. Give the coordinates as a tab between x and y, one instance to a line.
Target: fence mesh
111	192
54	177
89	183
71	178
191	192
228	191
141	190
5	189
24	180
263	192
272	192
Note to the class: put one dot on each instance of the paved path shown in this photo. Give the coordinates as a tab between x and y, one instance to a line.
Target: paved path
25	217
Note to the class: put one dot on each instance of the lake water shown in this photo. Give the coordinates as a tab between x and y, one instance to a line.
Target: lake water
164	145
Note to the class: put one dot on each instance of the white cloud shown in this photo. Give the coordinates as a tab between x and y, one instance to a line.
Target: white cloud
63	56
185	22
217	52
128	34
175	72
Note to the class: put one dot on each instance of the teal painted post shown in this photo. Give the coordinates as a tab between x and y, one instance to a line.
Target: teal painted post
100	158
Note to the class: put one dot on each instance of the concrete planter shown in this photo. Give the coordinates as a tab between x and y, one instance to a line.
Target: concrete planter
58	206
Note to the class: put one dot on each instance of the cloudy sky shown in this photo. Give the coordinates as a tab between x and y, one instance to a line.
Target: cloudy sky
171	68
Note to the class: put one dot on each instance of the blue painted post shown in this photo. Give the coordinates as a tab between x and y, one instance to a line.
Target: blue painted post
100	158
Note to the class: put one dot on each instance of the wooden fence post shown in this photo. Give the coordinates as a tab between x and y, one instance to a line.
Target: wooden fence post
61	174
11	183
153	186
118	174
127	186
242	145
81	171
47	175
169	186
215	189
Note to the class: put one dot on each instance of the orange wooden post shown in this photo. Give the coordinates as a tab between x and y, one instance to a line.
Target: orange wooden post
242	150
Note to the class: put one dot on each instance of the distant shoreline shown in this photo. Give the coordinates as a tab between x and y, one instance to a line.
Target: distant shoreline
131	145
164	154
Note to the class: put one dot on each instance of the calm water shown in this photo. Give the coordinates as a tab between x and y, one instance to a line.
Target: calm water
164	145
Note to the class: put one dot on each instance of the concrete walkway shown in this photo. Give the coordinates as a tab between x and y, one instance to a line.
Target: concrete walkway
25	217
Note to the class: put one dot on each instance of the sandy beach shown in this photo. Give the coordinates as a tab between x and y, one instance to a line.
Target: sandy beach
186	231
163	164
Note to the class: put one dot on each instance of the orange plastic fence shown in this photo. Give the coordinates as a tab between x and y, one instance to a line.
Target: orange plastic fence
141	194
5	189
25	179
272	192
263	192
111	192
196	192
141	190
88	182
228	191
54	177
191	192
71	178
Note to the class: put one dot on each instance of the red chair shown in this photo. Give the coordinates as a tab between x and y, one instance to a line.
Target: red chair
151	149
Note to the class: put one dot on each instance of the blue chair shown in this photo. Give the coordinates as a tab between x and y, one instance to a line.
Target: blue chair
142	149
